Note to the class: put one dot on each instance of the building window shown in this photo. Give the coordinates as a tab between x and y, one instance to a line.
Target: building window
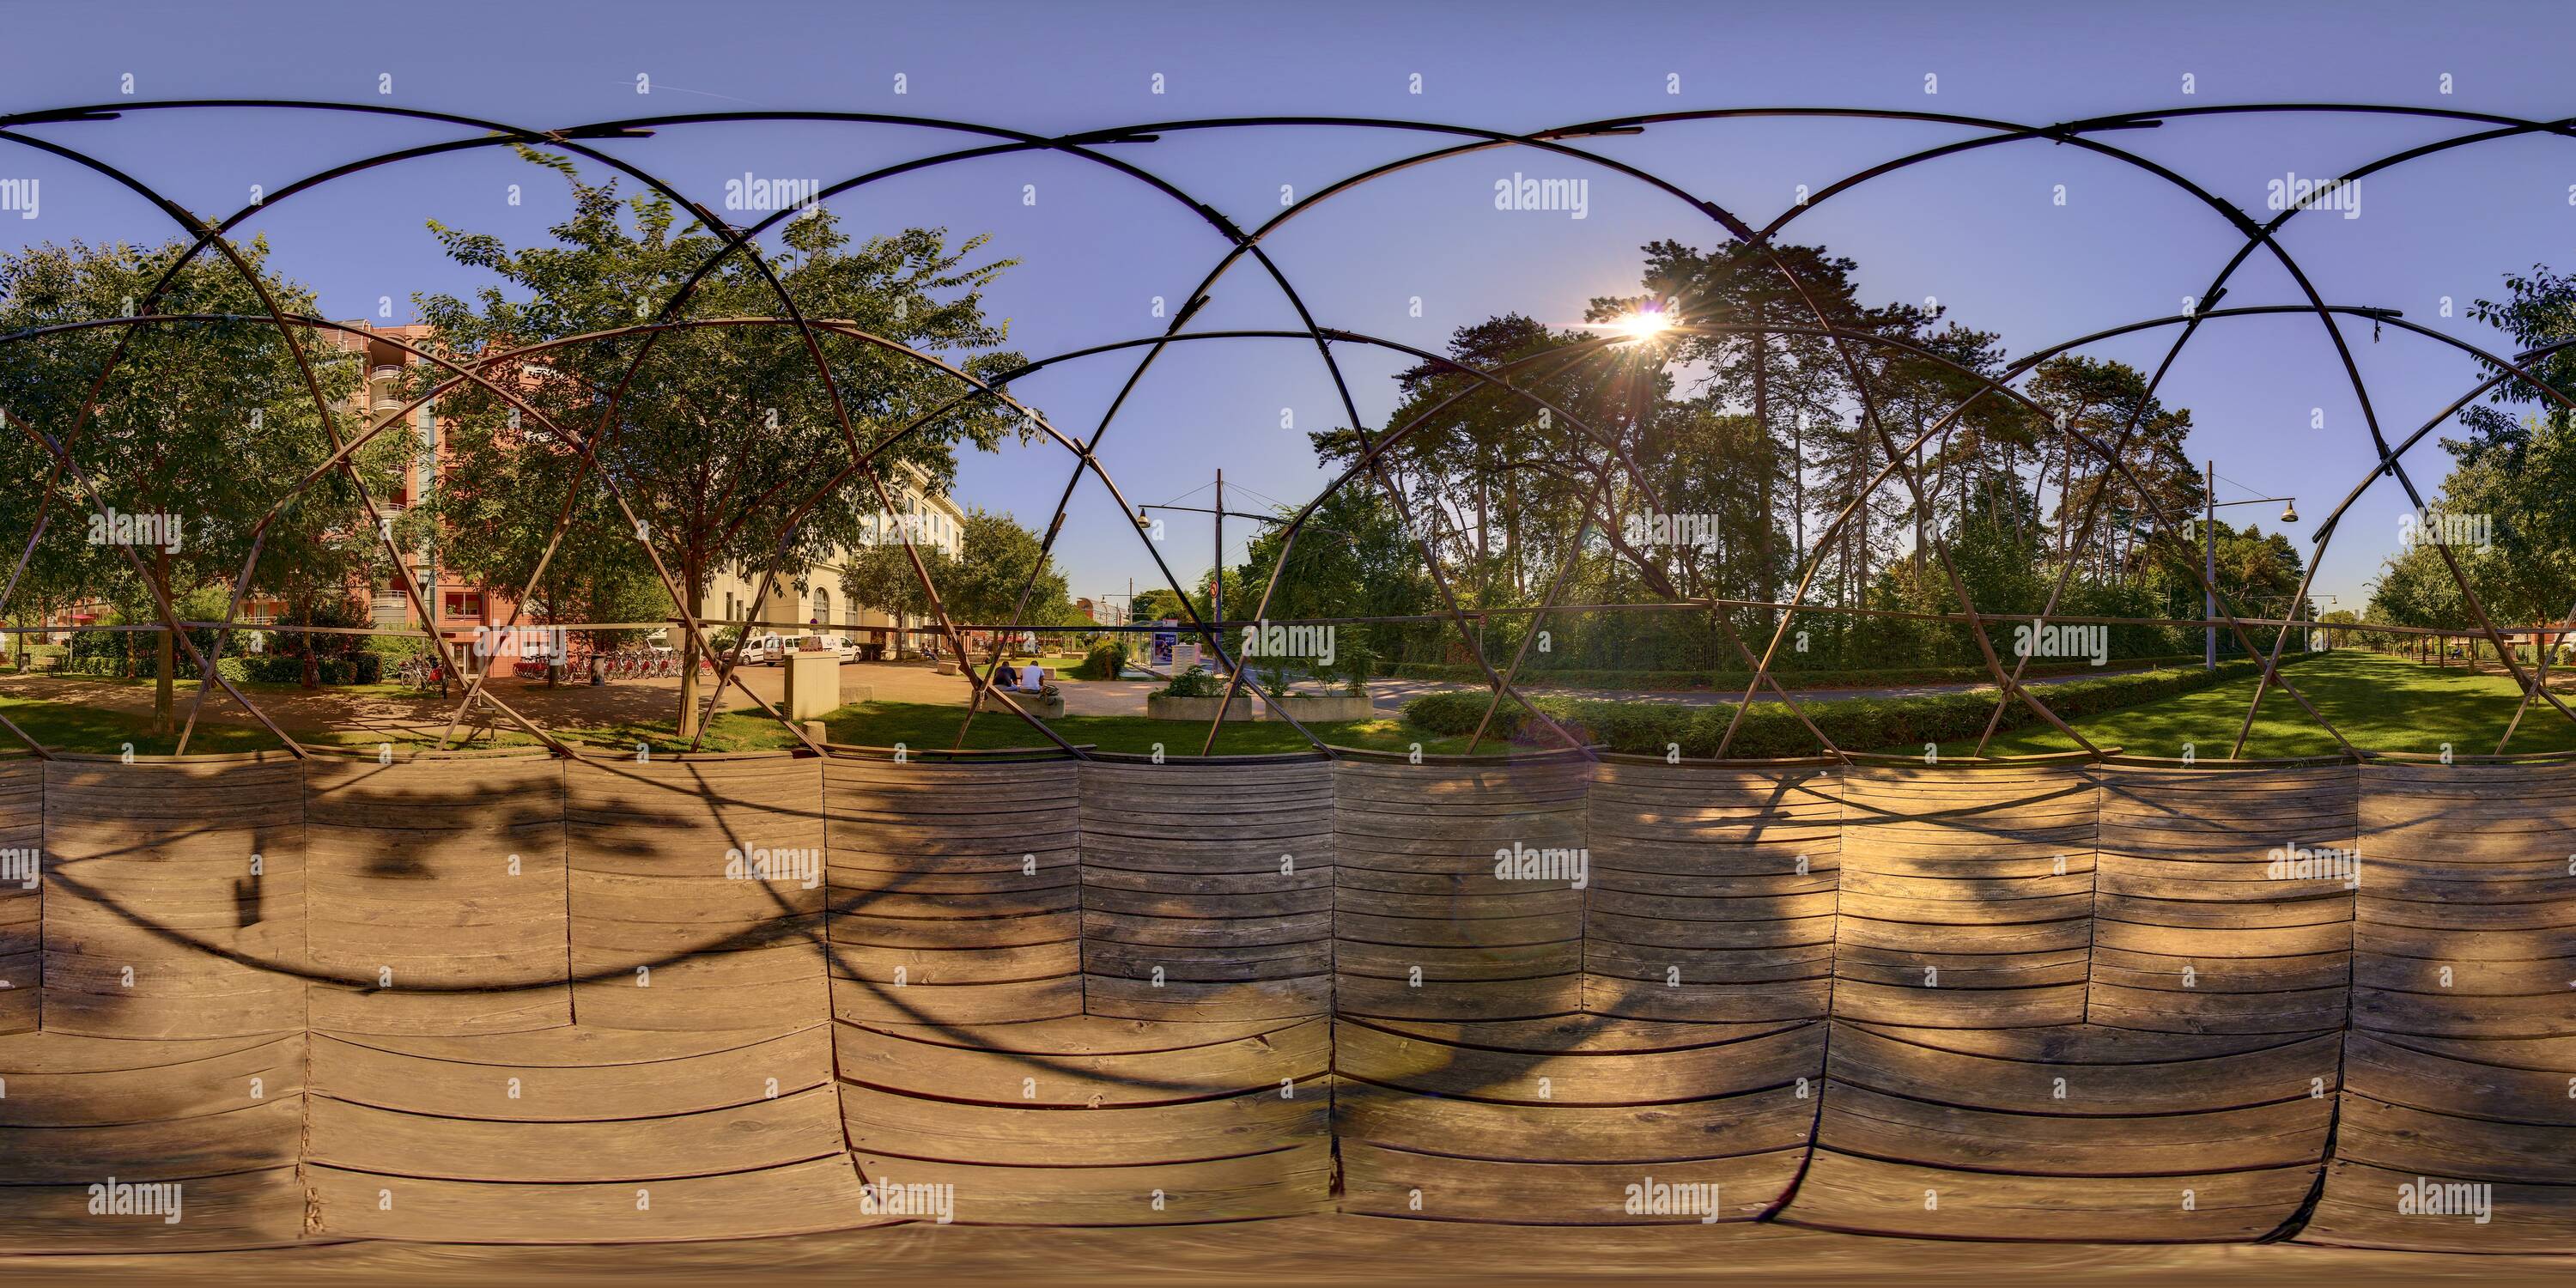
465	604
822	607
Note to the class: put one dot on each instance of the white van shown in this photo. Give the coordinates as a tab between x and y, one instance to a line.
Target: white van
829	642
772	650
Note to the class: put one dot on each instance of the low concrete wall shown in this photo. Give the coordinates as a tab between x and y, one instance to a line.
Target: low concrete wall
522	999
1158	707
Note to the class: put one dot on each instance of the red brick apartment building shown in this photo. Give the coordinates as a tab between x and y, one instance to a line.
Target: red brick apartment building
460	606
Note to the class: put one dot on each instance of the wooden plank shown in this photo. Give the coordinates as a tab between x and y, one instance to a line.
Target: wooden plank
63	1080
1719	1127
2189	1011
257	1135
2085	1044
22	898
1735	1003
2288	1133
1426	1067
190	877
1439	999
2374	1132
760	1133
648	846
1393	1183
2507	1086
581	1075
1284	1182
888	1125
2386	1011
902	967
857	1001
1084	1035
797	1199
1969	1008
894	1063
708	991
2360	1208
1846	1192
2306	1068
244	1210
448	879
1265	999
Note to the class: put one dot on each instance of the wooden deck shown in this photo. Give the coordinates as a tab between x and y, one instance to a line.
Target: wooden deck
520	1001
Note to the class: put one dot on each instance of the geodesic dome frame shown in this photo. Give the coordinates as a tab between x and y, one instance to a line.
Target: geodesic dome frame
1243	244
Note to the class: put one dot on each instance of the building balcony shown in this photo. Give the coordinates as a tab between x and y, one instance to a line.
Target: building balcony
387	373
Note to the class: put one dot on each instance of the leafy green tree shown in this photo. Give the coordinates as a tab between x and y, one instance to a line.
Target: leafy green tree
2512	488
204	424
722	431
2102	400
981	583
1353	559
1163	604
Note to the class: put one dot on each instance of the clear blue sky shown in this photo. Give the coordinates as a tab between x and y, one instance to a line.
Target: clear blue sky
1981	233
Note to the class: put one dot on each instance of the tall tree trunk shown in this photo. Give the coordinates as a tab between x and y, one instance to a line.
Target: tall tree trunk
1798	485
1763	585
1484	532
690	591
165	697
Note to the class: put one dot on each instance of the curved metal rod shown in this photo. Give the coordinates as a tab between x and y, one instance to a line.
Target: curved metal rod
2513	125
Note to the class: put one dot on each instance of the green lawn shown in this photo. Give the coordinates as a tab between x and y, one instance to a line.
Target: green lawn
66	727
2381	703
921	726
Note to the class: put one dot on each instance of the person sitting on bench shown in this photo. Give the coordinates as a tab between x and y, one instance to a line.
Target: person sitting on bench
1004	677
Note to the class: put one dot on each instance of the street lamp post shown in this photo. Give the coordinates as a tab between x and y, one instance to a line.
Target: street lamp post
2209	557
1216	605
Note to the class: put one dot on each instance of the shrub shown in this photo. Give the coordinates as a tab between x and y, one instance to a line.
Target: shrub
1357	660
1192	683
397	649
1105	661
257	668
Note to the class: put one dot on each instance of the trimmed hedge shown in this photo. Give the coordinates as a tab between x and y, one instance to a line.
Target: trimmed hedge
1770	729
1684	681
265	668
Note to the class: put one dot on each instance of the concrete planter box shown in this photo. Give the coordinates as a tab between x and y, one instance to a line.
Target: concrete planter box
1042	708
1311	708
813	685
1160	708
947	667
